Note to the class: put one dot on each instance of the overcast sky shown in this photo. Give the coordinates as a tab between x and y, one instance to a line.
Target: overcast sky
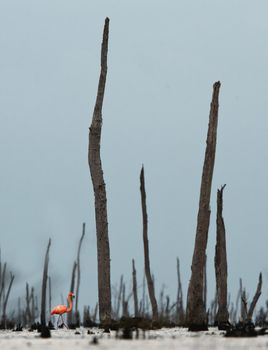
164	57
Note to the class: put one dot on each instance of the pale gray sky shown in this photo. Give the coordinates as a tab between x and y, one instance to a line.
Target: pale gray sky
164	57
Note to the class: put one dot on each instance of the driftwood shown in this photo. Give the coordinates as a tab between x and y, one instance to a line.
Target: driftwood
149	279
135	289
222	317
196	312
94	160
44	287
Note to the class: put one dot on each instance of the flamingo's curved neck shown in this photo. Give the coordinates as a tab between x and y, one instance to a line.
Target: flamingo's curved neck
70	306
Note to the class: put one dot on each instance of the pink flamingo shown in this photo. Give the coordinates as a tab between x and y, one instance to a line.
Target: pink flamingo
62	309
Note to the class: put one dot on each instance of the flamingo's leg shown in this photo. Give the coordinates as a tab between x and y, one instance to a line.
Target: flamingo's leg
58	321
63	323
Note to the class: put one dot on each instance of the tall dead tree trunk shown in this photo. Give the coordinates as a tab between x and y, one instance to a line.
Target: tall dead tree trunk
196	312
44	287
134	289
150	282
222	317
94	160
78	276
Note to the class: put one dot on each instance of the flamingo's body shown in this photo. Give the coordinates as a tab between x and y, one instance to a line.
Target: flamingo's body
62	309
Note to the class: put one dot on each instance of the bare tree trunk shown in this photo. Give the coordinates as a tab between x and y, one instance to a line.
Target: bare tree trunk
44	287
125	299
244	306
33	306
94	160
221	265
119	296
242	296
70	314
135	290
142	303
49	296
95	313
4	317
167	308
255	299
36	307
161	303
146	248
19	312
27	311
238	298
2	287
77	317
180	316
196	312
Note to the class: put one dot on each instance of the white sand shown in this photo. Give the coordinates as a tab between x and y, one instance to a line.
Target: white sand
169	339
